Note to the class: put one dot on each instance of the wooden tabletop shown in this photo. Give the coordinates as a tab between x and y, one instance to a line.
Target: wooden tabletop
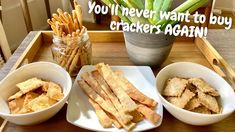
186	51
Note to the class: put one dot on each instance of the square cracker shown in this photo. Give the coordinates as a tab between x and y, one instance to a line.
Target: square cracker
30	85
16	106
175	87
54	91
208	101
30	96
203	86
193	103
40	103
202	110
183	100
16	95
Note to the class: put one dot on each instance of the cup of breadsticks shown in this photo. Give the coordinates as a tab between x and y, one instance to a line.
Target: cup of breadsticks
71	47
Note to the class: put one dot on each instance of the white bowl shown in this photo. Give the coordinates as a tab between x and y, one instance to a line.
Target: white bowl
188	69
44	70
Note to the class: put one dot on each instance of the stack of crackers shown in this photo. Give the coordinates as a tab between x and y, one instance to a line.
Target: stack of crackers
192	94
34	95
116	100
72	47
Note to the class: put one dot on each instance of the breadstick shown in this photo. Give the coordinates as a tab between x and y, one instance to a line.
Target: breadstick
73	64
50	22
57	18
61	15
71	57
79	15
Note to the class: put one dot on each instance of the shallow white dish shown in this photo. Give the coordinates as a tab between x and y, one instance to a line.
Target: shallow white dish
188	70
44	70
81	113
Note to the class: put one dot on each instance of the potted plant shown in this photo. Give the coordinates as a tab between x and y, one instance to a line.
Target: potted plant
151	48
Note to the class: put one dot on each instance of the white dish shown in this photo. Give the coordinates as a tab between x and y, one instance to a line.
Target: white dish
81	113
45	70
188	70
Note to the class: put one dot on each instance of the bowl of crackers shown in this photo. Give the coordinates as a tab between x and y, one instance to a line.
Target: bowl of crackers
34	93
195	94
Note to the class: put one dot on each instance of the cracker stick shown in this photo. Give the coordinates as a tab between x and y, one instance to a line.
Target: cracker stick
54	30
104	119
134	93
104	86
57	18
82	31
115	121
50	22
61	15
79	15
99	100
72	56
94	85
74	62
110	78
149	114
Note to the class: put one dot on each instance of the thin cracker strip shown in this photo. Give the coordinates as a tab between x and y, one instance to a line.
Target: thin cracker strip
94	85
115	121
103	104
149	114
111	78
183	100
134	93
104	86
104	119
175	87
208	101
203	86
30	85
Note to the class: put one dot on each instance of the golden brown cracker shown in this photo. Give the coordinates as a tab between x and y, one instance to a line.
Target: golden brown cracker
183	100
202	110
29	97
16	95
114	84
203	86
133	92
193	103
104	119
137	116
149	114
103	104
54	91
40	103
30	85
16	105
208	101
175	87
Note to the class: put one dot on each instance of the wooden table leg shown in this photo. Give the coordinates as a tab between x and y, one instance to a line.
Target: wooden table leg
26	14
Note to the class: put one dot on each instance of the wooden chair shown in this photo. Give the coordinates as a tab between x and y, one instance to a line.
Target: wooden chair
5	51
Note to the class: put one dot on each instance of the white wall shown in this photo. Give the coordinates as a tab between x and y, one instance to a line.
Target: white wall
13	20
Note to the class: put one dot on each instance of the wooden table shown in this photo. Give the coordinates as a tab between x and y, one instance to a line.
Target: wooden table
182	51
